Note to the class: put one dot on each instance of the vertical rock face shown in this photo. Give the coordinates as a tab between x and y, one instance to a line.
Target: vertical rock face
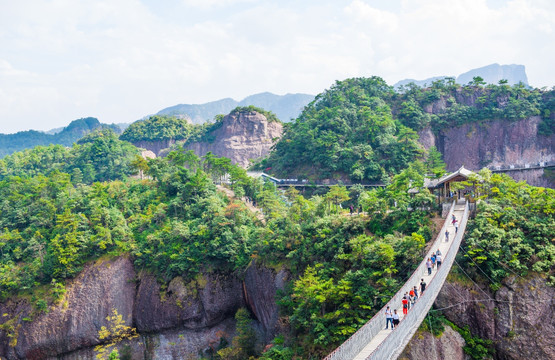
242	137
495	143
426	346
519	321
176	323
75	321
261	285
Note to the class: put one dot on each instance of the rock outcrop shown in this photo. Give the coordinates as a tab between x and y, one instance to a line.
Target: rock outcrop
426	346
261	285
519	321
180	321
155	146
74	321
518	318
242	137
496	143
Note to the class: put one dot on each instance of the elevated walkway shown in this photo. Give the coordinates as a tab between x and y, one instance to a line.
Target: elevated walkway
373	341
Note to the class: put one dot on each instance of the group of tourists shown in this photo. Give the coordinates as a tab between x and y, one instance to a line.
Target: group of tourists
434	260
411	296
409	299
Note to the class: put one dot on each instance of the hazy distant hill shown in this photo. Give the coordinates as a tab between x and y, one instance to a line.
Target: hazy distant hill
10	143
495	72
286	107
490	73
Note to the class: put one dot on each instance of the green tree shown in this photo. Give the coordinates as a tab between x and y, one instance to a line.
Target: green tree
113	334
434	162
337	195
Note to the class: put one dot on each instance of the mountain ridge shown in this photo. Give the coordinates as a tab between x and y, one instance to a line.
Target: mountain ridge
492	73
75	130
286	107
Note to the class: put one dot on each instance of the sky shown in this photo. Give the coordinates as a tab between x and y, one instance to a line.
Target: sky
121	60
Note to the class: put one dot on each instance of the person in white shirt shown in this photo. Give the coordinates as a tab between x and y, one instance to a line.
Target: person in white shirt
438	261
395	318
388	318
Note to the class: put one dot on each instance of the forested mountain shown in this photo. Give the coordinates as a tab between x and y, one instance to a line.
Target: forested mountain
10	143
362	129
286	107
177	227
89	253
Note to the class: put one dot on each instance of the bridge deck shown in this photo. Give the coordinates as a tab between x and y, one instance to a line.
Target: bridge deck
440	244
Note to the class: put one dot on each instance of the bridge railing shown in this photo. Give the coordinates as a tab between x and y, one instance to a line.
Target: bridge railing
394	344
526	166
354	344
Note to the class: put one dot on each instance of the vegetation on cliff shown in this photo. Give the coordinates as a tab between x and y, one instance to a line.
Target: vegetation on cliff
348	132
456	104
361	129
513	232
63	207
177	224
162	127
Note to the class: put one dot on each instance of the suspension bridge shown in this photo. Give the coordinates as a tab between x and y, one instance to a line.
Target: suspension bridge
372	341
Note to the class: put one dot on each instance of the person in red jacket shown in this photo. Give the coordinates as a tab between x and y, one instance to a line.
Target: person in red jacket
405	306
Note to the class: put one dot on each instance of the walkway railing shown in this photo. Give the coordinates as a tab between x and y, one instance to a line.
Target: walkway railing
520	167
395	342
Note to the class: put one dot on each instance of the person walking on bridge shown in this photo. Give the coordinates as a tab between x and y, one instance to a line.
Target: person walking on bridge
388	318
412	297
395	318
446	235
429	266
438	261
405	306
422	286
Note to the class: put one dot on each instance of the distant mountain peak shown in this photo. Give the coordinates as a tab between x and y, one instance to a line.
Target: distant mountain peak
494	72
491	74
286	107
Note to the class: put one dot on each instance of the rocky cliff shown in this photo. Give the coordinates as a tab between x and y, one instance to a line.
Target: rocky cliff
495	144
518	319
180	321
155	146
242	137
426	346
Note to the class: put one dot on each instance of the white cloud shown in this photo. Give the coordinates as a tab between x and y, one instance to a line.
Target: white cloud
208	4
363	12
121	60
